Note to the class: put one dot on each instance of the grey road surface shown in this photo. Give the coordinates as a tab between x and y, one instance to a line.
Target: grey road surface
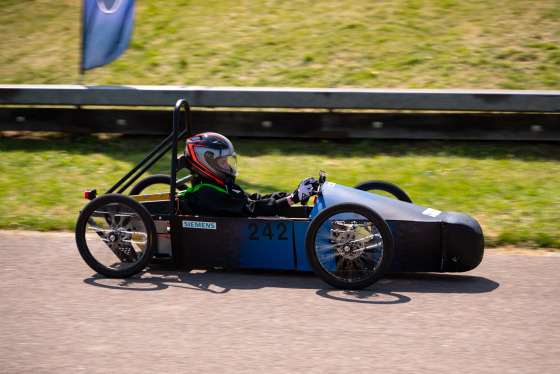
58	316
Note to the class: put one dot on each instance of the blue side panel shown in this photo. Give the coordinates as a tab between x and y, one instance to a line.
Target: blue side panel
267	244
300	229
263	243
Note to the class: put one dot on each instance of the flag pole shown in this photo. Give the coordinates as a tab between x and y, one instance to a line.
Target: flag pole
81	38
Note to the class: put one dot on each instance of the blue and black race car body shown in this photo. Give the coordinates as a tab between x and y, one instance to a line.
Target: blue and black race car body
349	238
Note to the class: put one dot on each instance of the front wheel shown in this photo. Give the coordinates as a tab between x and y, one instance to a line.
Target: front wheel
388	187
349	246
116	236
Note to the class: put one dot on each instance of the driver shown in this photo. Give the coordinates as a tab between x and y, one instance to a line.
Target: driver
211	159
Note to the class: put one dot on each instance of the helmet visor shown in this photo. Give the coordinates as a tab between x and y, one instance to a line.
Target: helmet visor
227	165
223	164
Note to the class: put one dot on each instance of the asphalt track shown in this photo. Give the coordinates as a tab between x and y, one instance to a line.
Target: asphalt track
59	317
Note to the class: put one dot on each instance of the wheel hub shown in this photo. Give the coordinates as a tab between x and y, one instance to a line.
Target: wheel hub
348	245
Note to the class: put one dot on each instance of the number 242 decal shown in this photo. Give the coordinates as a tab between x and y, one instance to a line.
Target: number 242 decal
268	231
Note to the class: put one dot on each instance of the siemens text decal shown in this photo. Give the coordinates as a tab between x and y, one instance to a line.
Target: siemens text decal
199	225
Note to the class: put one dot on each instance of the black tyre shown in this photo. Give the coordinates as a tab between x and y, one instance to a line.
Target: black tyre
157	179
389	187
349	246
116	236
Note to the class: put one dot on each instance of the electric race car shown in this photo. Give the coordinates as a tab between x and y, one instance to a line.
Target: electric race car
349	237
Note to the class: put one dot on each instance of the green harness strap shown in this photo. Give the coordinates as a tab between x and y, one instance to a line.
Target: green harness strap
191	190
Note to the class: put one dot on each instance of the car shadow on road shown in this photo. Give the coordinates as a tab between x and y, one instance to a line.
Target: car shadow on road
394	288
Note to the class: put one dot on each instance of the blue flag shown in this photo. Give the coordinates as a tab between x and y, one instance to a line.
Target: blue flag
106	30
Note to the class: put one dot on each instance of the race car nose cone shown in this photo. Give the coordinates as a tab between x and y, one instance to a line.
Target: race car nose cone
462	243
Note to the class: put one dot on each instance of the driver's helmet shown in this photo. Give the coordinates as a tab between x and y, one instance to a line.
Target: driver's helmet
211	156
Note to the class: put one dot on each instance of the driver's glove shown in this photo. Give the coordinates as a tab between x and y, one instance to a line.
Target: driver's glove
304	191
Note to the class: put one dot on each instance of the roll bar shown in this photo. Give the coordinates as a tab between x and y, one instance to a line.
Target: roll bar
175	143
171	142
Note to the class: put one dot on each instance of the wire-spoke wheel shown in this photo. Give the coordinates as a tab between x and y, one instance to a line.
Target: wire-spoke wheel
349	246
116	236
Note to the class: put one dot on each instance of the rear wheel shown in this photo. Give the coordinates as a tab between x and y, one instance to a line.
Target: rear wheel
162	181
116	236
388	187
349	246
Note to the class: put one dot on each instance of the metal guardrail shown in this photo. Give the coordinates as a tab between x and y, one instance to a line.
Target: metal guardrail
334	113
316	98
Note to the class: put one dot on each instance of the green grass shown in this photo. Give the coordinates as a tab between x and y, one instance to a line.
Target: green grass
478	44
510	188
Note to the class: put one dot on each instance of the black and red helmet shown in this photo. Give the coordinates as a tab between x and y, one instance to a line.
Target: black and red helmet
211	156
